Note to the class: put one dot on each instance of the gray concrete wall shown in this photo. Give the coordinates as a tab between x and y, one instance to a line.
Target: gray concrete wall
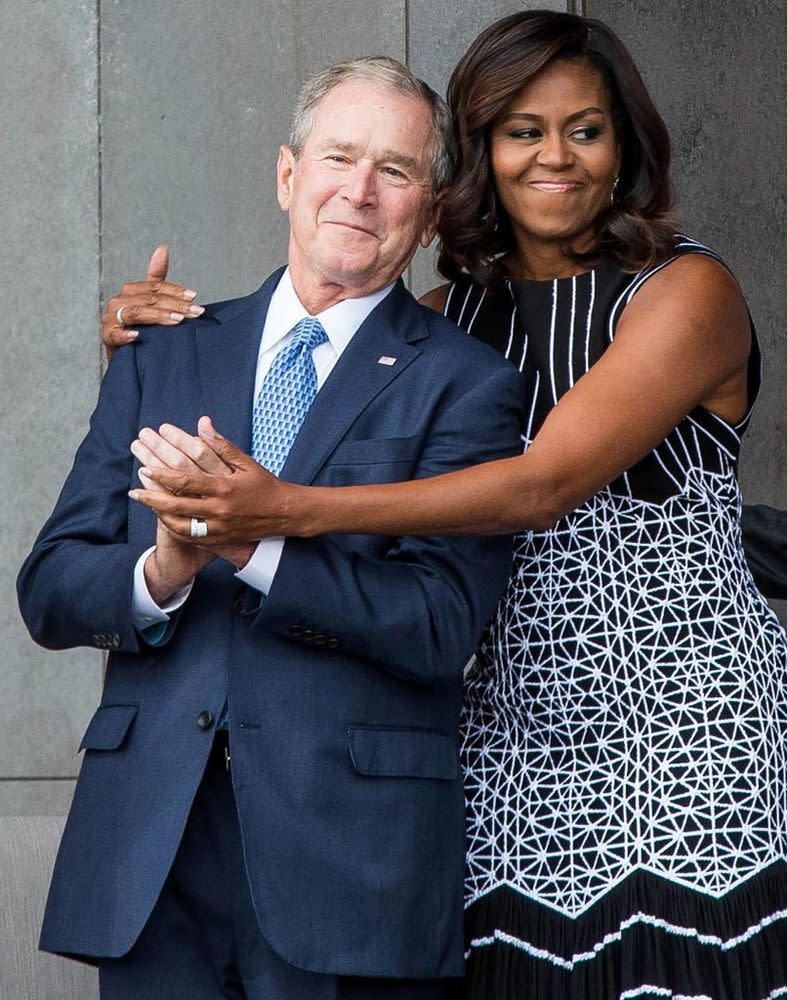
49	366
128	123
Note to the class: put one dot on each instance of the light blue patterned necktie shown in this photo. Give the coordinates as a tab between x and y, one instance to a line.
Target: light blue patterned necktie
285	396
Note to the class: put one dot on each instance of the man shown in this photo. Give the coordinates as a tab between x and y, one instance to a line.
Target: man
270	803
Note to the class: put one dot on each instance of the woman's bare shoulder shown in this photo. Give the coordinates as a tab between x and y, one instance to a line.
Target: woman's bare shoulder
436	298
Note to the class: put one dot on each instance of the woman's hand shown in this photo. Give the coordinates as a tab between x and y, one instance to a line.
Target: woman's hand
209	478
154	300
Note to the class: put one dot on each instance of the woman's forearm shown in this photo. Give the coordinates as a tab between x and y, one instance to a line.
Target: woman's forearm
500	497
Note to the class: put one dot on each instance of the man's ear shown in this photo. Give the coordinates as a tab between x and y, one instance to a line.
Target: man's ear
285	170
430	229
428	234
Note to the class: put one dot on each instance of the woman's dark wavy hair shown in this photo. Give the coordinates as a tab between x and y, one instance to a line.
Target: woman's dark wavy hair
474	229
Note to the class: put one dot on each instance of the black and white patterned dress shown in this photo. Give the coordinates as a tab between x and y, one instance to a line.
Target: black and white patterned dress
625	727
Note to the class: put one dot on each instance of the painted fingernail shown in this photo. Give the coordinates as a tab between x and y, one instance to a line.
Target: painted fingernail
189	294
196	310
176	317
134	494
132	334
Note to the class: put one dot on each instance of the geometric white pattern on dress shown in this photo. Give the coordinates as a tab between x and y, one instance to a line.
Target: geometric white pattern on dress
571	962
629	706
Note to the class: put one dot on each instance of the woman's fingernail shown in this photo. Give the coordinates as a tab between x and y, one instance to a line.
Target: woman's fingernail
176	317
132	334
189	294
196	310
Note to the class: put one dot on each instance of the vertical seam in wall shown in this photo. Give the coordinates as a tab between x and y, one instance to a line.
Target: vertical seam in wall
407	32
408	276
99	220
99	180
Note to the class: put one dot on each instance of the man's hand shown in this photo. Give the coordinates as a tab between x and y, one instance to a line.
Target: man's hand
154	300
173	453
172	565
240	507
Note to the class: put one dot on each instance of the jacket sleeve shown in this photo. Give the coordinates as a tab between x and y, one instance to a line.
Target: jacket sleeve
765	545
75	587
419	609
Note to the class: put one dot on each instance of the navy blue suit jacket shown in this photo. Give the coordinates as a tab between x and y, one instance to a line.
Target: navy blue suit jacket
344	683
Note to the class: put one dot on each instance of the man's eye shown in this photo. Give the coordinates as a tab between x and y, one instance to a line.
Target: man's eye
337	158
394	172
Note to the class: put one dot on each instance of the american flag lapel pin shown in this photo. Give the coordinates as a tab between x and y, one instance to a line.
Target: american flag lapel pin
385	360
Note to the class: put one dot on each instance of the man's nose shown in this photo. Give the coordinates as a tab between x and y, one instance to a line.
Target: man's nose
361	187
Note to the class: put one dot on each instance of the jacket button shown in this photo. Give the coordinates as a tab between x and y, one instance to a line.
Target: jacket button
332	642
296	632
204	720
239	604
319	639
307	633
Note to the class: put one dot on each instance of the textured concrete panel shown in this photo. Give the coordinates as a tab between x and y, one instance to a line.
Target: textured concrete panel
196	99
437	38
27	852
36	798
439	32
717	73
50	367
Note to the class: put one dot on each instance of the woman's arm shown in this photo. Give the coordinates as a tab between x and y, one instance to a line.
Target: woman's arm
682	341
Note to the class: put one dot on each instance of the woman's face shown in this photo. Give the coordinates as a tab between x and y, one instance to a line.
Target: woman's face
555	156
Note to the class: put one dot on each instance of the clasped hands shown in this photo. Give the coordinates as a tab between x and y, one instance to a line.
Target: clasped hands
207	477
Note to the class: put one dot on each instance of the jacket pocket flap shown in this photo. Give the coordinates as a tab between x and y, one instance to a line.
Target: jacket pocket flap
108	727
402	753
376	451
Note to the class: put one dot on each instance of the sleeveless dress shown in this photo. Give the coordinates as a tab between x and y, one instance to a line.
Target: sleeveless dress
625	724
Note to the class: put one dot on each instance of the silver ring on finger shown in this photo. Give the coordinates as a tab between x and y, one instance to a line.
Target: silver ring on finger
198	528
119	315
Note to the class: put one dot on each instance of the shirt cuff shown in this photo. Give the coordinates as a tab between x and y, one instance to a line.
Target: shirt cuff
144	610
261	568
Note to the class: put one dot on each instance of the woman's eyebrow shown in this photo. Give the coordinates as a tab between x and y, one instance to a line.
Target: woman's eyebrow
514	115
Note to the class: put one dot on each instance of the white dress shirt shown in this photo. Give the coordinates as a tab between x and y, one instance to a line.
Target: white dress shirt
341	323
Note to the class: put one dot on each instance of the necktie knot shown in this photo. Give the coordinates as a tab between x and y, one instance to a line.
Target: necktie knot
308	333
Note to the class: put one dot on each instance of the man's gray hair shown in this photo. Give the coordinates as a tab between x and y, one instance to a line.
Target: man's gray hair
389	74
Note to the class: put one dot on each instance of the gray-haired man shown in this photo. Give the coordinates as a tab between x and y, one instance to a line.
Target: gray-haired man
270	803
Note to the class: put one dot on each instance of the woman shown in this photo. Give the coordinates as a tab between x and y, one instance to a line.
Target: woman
625	727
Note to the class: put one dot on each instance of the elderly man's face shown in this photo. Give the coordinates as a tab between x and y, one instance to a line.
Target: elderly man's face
359	196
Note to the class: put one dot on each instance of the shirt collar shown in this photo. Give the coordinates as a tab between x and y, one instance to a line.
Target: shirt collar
340	321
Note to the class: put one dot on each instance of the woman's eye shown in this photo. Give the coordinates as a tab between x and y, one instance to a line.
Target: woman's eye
525	133
586	133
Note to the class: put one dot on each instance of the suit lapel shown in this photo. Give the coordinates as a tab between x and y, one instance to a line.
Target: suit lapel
228	343
390	331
